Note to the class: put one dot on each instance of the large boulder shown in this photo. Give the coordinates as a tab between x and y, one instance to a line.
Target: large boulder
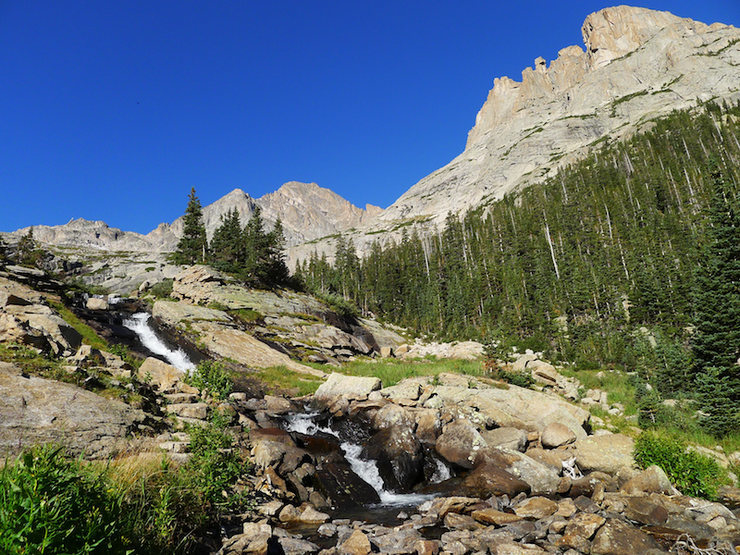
509	406
35	410
459	443
161	375
509	438
556	434
399	457
38	326
617	538
541	478
490	479
349	387
606	453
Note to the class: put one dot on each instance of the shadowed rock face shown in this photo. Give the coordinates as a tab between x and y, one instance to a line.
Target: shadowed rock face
34	410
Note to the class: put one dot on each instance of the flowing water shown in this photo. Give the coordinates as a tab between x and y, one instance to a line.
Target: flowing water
366	469
139	324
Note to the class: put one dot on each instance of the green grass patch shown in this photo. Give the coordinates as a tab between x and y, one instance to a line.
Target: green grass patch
89	336
392	371
281	378
247	315
618	385
213	377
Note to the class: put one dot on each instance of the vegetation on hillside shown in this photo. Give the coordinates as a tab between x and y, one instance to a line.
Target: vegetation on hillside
596	265
250	253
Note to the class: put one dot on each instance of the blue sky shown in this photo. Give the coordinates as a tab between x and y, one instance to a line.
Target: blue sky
113	110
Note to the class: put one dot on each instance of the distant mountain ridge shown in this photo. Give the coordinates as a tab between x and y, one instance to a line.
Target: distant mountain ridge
306	210
638	64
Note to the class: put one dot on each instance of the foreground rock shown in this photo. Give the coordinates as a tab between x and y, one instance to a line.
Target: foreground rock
34	410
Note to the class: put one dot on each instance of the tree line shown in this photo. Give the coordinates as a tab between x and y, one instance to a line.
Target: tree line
642	233
253	254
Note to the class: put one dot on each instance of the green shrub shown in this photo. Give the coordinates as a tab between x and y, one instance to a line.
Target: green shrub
51	505
694	474
215	465
211	376
516	378
340	305
163	289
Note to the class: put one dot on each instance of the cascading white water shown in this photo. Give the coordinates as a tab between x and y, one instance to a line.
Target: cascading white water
365	469
139	324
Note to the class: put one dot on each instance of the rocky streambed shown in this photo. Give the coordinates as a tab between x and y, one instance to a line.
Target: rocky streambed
457	465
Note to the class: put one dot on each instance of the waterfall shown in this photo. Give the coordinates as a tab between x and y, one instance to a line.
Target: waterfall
366	469
139	324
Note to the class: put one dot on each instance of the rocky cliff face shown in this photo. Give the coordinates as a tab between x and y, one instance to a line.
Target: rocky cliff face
638	64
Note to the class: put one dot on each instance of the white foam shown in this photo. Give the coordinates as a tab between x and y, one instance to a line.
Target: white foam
139	324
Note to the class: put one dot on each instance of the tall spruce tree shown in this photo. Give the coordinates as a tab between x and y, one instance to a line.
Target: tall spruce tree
226	249
716	342
193	245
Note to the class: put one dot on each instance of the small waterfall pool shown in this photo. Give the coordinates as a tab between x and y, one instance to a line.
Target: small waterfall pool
139	324
367	470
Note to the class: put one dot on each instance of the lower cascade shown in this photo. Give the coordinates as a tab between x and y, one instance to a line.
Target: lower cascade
366	469
139	324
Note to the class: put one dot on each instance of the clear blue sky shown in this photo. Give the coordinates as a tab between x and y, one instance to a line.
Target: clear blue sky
113	110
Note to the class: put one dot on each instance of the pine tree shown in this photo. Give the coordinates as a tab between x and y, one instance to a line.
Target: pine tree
193	245
26	253
716	341
276	271
226	249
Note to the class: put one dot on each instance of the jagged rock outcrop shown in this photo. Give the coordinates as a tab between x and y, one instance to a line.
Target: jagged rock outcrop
638	64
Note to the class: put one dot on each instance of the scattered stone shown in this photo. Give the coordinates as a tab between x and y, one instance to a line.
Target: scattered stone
536	508
556	434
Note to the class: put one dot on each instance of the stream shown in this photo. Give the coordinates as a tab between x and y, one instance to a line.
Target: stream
139	324
366	469
311	423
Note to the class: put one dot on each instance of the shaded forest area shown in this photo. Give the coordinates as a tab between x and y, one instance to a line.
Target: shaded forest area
596	265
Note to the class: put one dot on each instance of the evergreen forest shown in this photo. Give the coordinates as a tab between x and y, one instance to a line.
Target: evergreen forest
629	257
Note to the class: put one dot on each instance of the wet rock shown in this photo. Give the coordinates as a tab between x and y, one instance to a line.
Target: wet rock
399	457
556	434
509	438
489	479
617	538
536	508
541	478
459	443
289	514
342	487
277	405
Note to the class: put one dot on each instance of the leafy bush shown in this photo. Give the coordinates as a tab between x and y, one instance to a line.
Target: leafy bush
694	474
516	378
163	289
215	465
211	376
340	305
52	505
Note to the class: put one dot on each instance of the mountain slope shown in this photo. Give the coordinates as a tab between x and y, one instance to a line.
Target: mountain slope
638	64
307	212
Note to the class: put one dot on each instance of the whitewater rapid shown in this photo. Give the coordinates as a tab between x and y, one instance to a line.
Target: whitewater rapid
139	324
